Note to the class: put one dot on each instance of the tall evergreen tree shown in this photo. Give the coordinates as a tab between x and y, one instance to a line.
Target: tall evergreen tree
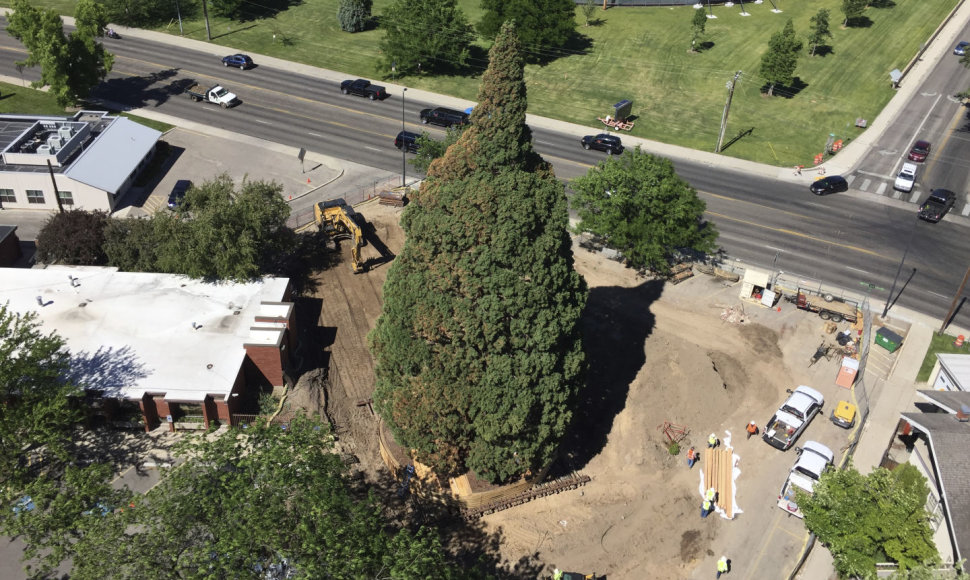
698	24
353	14
478	347
779	62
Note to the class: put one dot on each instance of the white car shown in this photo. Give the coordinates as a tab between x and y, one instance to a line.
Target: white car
906	177
813	460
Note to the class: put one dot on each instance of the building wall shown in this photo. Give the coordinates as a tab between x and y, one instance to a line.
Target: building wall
267	363
9	250
85	196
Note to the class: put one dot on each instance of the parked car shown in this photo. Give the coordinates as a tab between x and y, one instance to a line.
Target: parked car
793	417
407	141
936	205
961	48
906	178
363	88
178	192
603	142
813	459
830	184
444	117
919	151
242	61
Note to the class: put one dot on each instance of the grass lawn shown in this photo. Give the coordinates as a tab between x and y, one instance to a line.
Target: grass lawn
25	100
940	344
641	53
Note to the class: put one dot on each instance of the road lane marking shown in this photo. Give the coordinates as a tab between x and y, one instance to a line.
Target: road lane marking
882	188
865	184
857	269
262	121
935	294
314	134
372	148
799	235
918	129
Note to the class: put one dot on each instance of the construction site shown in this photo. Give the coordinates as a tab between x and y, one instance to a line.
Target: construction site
668	363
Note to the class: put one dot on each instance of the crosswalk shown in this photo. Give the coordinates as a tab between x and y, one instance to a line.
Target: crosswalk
882	185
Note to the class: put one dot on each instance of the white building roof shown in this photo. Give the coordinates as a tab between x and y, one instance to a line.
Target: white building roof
958	367
114	156
130	333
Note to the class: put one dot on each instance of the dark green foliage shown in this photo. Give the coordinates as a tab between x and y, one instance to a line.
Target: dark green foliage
70	64
859	517
852	9
479	356
425	36
217	233
227	8
542	24
819	30
779	62
430	149
353	15
146	13
37	415
639	206
697	26
74	237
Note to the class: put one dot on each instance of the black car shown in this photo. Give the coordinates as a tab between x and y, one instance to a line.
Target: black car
178	192
444	117
936	205
407	141
603	142
239	60
830	184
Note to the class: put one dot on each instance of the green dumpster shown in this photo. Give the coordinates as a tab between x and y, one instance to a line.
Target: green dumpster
888	339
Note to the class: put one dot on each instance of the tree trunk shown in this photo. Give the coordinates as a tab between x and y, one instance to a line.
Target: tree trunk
771	89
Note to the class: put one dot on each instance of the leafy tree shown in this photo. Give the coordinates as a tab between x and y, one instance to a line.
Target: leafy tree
852	9
228	8
779	62
353	14
859	516
430	149
248	500
479	357
697	26
425	36
640	206
37	415
541	24
73	237
589	7
218	233
70	64
819	30
144	13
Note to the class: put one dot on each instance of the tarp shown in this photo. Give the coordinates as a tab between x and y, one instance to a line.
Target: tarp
847	373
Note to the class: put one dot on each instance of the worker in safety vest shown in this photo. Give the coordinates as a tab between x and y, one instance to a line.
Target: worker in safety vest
722	566
711	494
712	441
706	508
752	429
691	457
557	574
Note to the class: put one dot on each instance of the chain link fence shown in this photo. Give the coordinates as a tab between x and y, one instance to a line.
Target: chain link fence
353	196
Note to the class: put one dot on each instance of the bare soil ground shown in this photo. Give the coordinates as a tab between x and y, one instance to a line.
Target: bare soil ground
655	354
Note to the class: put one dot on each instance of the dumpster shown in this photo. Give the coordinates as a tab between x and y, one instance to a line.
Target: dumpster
888	339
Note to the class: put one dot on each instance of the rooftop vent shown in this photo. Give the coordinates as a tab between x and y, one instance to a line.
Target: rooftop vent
65	132
55	142
43	149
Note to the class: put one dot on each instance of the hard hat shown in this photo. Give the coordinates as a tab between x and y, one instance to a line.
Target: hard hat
752	422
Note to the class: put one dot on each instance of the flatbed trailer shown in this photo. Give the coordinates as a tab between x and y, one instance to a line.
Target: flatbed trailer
827	306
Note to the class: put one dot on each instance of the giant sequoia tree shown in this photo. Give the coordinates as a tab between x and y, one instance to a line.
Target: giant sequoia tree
479	356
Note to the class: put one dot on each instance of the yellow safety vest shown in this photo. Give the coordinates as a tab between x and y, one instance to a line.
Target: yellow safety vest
722	565
712	440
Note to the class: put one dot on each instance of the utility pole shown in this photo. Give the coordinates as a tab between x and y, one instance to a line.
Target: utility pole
205	13
57	196
953	306
727	107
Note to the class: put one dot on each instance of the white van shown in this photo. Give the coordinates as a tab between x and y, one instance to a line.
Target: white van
906	177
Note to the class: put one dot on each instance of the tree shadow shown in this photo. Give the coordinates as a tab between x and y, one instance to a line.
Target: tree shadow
616	323
141	91
249	11
298	256
823	50
882	4
577	44
787	92
703	46
859	22
232	31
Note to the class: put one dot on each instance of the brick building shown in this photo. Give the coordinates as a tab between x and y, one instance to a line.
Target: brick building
161	346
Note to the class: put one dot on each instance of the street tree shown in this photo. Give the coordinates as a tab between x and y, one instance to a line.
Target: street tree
637	204
780	60
218	232
589	7
38	415
253	501
861	516
73	237
852	9
819	30
698	25
71	64
354	14
145	13
425	36
430	149
542	25
478	349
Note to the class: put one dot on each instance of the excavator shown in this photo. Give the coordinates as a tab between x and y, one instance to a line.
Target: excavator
339	220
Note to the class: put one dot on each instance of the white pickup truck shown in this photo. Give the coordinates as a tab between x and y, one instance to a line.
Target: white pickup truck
793	417
217	94
813	460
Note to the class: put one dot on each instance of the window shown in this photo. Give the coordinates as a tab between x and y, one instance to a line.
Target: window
67	198
7	196
35	196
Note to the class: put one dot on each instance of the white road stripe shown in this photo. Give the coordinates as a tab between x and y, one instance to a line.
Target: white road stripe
882	188
314	134
865	184
371	148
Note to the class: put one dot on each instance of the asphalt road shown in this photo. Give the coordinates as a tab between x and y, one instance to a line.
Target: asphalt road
855	240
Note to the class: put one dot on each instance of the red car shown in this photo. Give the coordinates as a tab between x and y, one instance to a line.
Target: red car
919	151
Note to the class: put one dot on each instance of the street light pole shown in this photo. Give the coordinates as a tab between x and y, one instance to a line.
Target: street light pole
179	13
892	289
404	147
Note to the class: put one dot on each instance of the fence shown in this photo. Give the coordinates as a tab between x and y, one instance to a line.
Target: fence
352	196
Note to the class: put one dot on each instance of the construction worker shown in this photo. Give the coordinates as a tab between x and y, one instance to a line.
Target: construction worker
557	574
722	566
706	508
712	441
752	429
711	495
691	457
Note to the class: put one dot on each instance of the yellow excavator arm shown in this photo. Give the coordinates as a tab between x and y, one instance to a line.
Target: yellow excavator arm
338	219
